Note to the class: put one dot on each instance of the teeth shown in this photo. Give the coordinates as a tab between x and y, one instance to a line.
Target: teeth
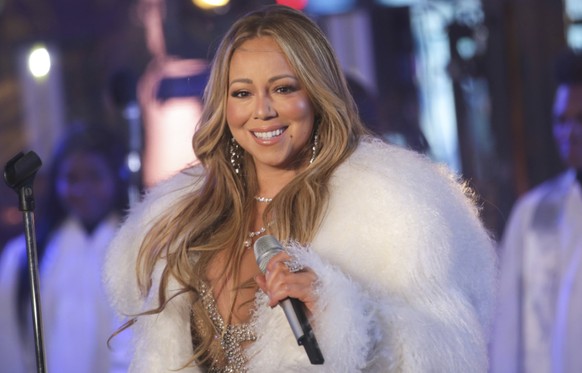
268	135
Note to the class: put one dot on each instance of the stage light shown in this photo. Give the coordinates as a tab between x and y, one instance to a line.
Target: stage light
39	62
210	4
295	4
327	7
466	47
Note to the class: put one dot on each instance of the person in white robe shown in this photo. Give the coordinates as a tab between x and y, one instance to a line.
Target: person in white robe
77	219
538	326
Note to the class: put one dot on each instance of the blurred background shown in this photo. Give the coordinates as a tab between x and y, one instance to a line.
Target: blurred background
468	82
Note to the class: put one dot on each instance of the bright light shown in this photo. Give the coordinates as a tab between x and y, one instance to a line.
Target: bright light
327	7
133	162
466	48
39	62
295	4
210	4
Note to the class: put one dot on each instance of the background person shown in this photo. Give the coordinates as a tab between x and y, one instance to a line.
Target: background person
538	327
83	207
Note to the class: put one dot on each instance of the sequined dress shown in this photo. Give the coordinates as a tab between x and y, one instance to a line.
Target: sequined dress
231	337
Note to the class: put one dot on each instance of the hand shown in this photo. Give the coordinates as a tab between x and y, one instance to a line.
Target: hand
279	282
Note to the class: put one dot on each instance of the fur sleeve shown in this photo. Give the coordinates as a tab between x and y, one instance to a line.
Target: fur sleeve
344	324
409	235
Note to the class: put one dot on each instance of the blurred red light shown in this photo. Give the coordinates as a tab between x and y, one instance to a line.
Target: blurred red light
295	4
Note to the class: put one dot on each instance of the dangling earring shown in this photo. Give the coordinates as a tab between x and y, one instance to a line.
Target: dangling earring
235	155
315	146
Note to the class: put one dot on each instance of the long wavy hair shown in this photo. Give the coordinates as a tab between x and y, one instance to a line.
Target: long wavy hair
219	214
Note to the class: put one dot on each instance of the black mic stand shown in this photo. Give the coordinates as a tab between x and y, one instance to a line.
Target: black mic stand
19	175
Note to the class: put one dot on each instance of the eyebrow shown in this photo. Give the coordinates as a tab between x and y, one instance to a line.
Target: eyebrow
271	80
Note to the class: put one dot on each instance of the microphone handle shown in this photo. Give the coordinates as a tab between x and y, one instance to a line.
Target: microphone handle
295	313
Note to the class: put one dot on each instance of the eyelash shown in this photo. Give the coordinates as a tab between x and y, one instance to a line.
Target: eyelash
284	89
239	94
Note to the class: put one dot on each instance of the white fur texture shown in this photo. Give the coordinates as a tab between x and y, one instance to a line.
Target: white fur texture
406	276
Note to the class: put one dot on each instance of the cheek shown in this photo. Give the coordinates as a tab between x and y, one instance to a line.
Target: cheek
236	115
300	109
302	112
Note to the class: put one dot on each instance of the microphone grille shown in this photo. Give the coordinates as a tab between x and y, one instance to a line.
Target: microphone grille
265	248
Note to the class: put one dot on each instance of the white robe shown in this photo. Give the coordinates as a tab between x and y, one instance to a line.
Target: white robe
76	316
405	267
538	328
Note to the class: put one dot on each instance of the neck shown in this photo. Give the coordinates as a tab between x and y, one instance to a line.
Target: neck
272	180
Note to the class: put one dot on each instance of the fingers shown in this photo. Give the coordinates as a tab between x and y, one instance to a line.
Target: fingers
280	282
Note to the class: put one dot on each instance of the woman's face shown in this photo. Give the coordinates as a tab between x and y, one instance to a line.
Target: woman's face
568	124
86	186
268	111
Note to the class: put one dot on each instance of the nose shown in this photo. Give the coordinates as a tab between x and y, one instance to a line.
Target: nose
264	107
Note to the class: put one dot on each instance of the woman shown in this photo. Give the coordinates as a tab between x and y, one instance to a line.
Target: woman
77	218
395	268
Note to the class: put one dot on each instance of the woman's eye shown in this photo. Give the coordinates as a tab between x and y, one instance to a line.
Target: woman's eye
285	89
239	94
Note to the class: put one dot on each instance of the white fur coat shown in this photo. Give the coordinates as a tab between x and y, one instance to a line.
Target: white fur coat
405	267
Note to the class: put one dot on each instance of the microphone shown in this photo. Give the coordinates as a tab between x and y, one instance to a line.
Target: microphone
265	249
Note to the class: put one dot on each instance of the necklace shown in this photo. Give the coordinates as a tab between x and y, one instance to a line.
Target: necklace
249	240
263	199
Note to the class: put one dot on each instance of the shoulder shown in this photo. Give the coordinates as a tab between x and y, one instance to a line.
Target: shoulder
122	253
397	219
553	187
383	170
14	245
375	157
184	181
168	192
542	205
11	255
549	193
388	197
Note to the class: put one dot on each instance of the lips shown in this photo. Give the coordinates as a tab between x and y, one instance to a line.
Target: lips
269	135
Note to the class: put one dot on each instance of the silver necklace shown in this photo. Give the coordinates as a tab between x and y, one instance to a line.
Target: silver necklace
249	240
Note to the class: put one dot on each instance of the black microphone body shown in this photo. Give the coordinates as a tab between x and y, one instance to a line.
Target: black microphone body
265	248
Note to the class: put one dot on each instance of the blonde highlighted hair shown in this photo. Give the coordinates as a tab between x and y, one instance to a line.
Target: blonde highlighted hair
218	215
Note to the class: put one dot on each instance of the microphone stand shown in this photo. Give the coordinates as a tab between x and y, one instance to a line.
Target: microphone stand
19	175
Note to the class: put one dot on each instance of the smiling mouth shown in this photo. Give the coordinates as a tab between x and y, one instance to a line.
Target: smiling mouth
270	134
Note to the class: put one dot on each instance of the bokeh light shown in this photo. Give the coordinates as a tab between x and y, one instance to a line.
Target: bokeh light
210	4
39	61
295	4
